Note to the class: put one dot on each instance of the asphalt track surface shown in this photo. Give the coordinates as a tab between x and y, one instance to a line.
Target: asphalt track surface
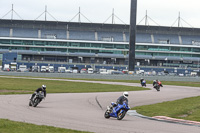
85	111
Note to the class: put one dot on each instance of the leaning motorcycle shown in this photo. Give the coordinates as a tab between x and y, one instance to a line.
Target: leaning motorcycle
143	83
158	85
36	99
119	111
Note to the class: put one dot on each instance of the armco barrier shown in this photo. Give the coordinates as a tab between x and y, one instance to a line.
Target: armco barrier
100	76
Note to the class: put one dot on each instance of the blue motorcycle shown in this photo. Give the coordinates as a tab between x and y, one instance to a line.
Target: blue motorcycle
117	111
143	83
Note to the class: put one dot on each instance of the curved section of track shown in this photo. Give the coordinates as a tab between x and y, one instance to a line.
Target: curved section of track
85	111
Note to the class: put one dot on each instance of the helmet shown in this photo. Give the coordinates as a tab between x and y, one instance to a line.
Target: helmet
44	87
141	79
125	94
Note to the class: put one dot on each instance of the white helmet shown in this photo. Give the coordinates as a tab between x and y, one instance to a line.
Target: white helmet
44	87
125	94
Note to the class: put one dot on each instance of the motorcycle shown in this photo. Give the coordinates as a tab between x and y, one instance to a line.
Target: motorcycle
158	85
36	99
119	111
143	83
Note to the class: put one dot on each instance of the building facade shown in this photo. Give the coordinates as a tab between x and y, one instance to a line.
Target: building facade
97	44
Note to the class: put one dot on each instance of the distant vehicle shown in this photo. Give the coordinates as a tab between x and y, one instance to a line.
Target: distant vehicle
181	74
43	69
35	68
153	73
193	73
13	66
6	67
22	68
68	71
117	72
84	70
61	69
172	74
90	70
140	72
110	71
51	69
125	71
74	71
103	71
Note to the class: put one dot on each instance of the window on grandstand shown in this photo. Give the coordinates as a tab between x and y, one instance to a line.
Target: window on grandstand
164	41
96	45
141	47
107	45
175	48
5	41
108	39
186	49
196	49
118	46
50	36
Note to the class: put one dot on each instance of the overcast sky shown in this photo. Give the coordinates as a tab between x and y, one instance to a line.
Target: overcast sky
163	12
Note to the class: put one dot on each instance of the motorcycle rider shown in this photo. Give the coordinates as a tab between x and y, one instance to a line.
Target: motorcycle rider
42	88
154	82
120	100
141	80
123	98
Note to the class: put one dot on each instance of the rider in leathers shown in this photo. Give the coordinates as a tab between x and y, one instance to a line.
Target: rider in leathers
123	98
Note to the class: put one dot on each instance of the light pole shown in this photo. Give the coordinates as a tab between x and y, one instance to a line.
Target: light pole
132	29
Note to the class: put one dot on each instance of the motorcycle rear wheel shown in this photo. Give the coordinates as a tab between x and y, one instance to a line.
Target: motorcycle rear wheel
120	116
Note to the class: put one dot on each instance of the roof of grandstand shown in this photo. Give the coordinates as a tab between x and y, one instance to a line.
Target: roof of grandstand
56	25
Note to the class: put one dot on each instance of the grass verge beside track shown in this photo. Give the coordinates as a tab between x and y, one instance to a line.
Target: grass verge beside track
7	126
187	109
26	86
176	83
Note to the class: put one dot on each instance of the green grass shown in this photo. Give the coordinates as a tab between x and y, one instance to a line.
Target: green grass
188	109
7	126
26	86
176	83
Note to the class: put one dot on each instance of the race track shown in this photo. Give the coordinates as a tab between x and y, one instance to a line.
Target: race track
81	111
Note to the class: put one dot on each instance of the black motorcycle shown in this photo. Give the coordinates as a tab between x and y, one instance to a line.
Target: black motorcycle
36	99
158	85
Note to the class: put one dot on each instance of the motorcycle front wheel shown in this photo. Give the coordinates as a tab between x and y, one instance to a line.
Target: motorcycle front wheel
107	115
120	116
30	104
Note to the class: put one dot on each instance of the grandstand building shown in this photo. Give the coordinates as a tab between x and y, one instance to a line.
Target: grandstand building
93	44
